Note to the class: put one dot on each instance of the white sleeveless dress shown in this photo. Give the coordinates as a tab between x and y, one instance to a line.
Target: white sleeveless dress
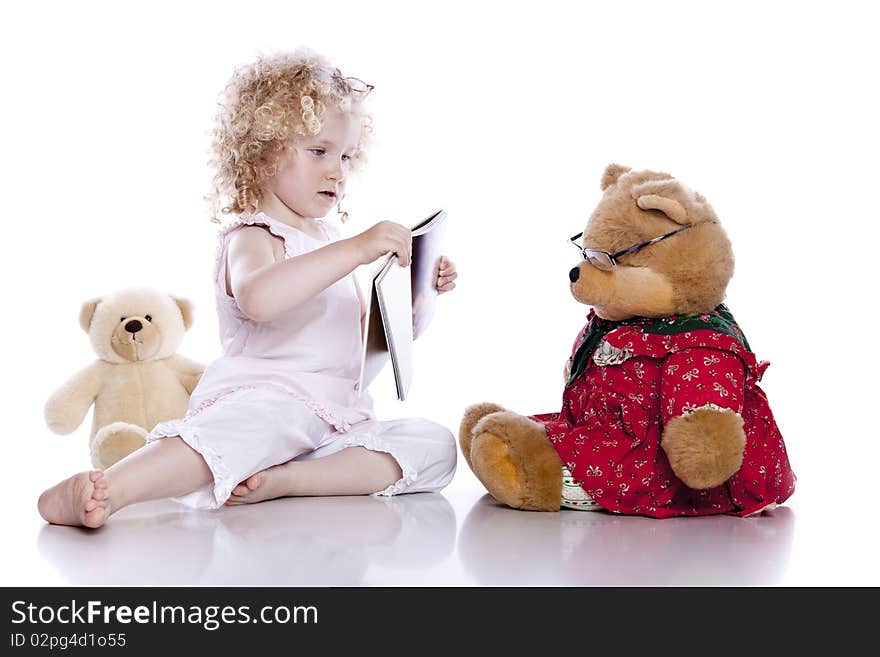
285	389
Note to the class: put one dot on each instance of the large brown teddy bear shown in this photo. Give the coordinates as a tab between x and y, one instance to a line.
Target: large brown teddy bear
662	415
138	379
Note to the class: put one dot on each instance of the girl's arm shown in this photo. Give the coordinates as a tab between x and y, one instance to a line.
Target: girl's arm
265	288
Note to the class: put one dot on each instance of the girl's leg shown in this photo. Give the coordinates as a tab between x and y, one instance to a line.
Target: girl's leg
164	468
352	471
428	448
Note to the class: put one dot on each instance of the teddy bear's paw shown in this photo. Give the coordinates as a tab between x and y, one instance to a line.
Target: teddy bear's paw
472	415
516	463
704	448
116	441
61	416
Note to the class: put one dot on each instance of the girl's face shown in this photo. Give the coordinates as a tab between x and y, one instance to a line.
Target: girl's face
313	171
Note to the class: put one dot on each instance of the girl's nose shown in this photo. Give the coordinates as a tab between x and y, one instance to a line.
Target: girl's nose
335	173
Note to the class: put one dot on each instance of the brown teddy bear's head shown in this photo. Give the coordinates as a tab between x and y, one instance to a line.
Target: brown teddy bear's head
685	273
135	325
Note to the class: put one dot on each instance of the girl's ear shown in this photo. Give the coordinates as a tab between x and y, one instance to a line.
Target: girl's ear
186	311
87	312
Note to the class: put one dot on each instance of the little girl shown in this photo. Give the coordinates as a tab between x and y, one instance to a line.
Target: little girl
278	414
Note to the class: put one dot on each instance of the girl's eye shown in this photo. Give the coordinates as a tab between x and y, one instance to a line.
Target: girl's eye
148	318
316	151
346	158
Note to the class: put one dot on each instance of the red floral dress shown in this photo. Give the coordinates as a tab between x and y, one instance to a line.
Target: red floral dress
628	379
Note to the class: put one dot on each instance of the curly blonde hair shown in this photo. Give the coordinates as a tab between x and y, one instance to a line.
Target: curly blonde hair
264	105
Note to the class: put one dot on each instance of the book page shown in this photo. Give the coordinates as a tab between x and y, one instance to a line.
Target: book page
375	348
427	224
393	292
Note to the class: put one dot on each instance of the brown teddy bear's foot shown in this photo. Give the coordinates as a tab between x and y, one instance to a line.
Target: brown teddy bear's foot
116	441
472	415
516	463
704	448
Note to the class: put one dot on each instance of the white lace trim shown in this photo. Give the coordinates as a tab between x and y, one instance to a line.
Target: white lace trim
223	483
262	219
607	354
688	410
322	411
376	444
258	219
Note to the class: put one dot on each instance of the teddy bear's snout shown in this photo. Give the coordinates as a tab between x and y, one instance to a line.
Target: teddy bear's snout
133	326
574	274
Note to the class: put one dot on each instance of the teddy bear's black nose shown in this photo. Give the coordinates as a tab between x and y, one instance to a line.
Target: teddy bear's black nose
574	274
133	326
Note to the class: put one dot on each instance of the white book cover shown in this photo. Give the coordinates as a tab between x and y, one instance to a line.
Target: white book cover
400	306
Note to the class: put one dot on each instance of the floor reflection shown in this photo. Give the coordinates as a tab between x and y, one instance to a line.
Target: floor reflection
328	541
500	546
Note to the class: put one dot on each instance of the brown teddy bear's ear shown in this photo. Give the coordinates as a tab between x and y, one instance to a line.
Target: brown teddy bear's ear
612	173
667	196
186	311
668	206
87	312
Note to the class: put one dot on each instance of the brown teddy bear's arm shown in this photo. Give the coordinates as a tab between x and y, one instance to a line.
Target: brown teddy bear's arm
66	408
188	371
698	377
701	402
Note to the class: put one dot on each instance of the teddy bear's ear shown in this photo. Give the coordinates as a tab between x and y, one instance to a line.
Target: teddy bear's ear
186	311
612	173
87	312
668	206
668	196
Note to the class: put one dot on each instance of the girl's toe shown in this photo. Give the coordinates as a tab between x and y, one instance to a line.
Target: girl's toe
94	518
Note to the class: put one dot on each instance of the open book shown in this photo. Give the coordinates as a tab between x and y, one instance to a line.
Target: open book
401	304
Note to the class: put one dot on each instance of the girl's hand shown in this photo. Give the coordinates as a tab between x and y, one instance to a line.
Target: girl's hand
446	276
385	237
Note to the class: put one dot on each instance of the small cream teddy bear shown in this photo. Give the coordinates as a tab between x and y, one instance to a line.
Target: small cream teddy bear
138	379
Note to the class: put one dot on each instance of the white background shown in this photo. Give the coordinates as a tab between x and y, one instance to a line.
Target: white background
505	115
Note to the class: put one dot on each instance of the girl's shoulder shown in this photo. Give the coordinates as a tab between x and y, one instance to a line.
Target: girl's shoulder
319	233
258	220
253	232
246	236
254	240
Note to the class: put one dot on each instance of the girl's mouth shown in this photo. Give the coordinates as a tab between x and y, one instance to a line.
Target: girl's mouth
329	195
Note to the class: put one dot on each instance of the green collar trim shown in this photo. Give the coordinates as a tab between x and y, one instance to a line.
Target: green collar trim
720	320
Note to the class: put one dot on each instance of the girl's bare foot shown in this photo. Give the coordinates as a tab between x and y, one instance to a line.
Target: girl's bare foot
264	485
82	500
